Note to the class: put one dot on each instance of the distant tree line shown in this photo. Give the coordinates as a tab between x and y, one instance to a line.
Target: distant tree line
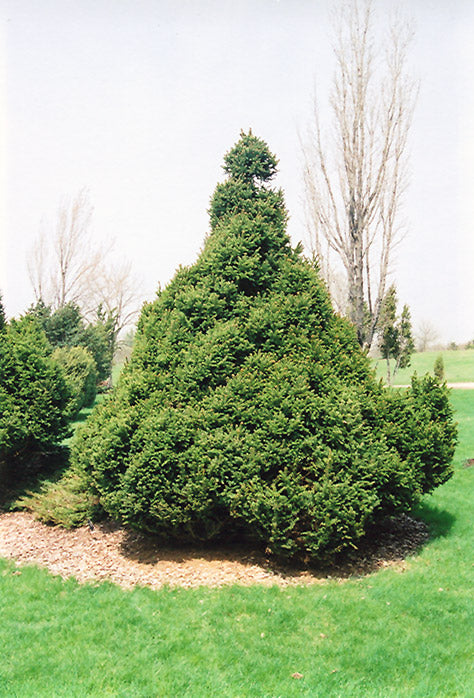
66	328
60	351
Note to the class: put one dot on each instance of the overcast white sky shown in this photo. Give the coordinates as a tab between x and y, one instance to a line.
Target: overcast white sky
138	100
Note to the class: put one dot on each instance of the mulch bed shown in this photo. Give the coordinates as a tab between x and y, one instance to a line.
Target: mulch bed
111	552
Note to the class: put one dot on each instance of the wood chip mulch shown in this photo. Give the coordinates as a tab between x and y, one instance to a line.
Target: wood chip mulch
111	552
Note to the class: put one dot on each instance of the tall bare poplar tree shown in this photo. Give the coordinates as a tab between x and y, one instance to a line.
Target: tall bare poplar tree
355	175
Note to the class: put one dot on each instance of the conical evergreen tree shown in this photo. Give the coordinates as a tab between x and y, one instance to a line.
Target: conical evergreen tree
247	407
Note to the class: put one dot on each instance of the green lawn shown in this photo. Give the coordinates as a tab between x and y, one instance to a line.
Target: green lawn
458	366
390	634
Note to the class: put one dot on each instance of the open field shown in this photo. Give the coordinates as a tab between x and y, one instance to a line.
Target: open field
458	366
405	632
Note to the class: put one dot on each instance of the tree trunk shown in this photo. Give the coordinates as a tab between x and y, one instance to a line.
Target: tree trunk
389	377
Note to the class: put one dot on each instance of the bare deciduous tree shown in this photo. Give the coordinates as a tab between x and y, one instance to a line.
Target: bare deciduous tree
75	258
69	268
115	291
355	180
37	266
61	265
427	335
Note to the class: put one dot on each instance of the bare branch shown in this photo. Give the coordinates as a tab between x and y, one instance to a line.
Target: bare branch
70	268
37	265
117	292
355	182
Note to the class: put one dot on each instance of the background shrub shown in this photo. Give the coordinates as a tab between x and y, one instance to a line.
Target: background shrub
33	394
248	408
81	377
65	327
439	368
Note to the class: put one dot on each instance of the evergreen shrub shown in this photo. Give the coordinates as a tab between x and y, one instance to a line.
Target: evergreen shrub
33	394
81	377
65	327
247	407
439	368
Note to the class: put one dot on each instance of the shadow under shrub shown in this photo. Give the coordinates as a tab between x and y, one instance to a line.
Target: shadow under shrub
248	408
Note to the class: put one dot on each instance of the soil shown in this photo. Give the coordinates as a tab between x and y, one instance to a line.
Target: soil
107	551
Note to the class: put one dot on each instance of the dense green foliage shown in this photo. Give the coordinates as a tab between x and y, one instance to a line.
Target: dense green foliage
81	377
395	339
65	327
33	393
248	408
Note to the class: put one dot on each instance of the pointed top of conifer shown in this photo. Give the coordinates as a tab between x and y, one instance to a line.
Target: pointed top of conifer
249	166
250	160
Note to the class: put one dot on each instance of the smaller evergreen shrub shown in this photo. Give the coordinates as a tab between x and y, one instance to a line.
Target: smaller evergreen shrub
66	501
97	340
33	394
420	426
439	368
81	377
65	327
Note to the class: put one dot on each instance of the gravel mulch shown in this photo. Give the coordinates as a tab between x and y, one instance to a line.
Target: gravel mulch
111	552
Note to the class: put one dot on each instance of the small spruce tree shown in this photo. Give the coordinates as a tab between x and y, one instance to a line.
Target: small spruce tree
81	377
439	368
406	344
247	407
389	336
395	334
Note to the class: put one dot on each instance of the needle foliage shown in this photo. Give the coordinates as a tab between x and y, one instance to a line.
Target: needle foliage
33	396
248	408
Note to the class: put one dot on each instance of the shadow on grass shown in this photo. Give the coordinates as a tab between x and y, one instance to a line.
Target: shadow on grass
84	413
82	416
439	521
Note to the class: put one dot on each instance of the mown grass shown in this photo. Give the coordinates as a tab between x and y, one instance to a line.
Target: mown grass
60	495
458	366
399	632
116	371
